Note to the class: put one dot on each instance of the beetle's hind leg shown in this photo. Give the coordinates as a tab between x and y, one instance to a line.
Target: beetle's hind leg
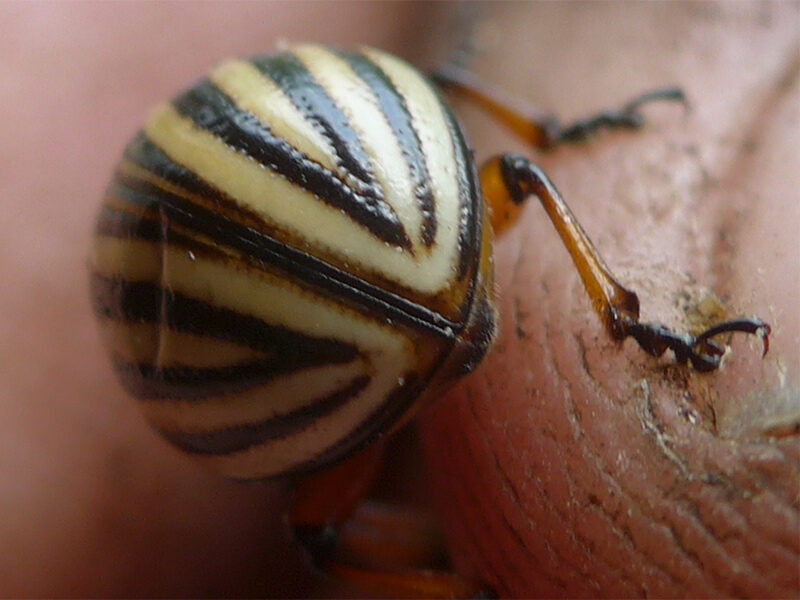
509	179
543	130
370	548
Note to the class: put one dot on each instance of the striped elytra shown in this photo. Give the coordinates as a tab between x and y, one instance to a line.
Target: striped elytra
290	256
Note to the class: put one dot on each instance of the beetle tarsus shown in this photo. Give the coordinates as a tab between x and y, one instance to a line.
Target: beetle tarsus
704	354
319	543
628	117
544	130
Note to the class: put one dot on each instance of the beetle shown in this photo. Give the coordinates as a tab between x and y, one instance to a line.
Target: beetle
295	254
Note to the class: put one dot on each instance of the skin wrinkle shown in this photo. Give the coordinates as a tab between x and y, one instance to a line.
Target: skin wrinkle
468	498
518	317
583	353
671	455
722	579
688	553
622	531
547	358
790	539
738	535
653	425
692	511
735	482
688	448
673	526
595	457
586	545
548	336
718	480
503	583
508	487
732	532
550	359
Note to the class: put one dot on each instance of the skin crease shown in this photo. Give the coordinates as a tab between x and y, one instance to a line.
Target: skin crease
569	466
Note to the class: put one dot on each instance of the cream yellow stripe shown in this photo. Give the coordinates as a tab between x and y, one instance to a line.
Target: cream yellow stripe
357	101
264	296
282	203
132	342
389	355
279	456
255	93
431	126
139	343
279	397
135	260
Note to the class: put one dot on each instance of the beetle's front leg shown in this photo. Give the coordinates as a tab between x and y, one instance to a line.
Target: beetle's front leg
508	180
543	130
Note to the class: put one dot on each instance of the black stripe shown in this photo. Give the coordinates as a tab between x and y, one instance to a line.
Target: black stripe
149	227
393	105
241	437
311	99
260	247
211	109
371	428
470	199
144	153
141	302
149	382
116	223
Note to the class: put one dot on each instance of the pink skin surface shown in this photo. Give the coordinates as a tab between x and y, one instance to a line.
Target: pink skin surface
569	465
575	466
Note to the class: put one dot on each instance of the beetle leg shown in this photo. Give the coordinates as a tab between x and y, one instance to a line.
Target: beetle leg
324	501
509	179
372	548
543	130
627	117
414	584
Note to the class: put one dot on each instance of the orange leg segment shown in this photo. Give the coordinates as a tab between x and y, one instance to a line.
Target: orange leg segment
509	179
542	130
324	501
373	549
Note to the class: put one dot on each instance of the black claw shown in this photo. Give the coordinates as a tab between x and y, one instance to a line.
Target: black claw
319	542
671	94
628	117
753	326
704	354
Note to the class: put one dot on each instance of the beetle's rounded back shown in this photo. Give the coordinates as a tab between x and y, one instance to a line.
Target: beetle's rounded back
290	253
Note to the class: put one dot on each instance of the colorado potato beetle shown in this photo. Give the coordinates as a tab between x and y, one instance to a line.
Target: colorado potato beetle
296	252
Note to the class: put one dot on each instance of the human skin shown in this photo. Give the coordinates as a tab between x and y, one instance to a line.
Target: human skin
575	466
94	504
